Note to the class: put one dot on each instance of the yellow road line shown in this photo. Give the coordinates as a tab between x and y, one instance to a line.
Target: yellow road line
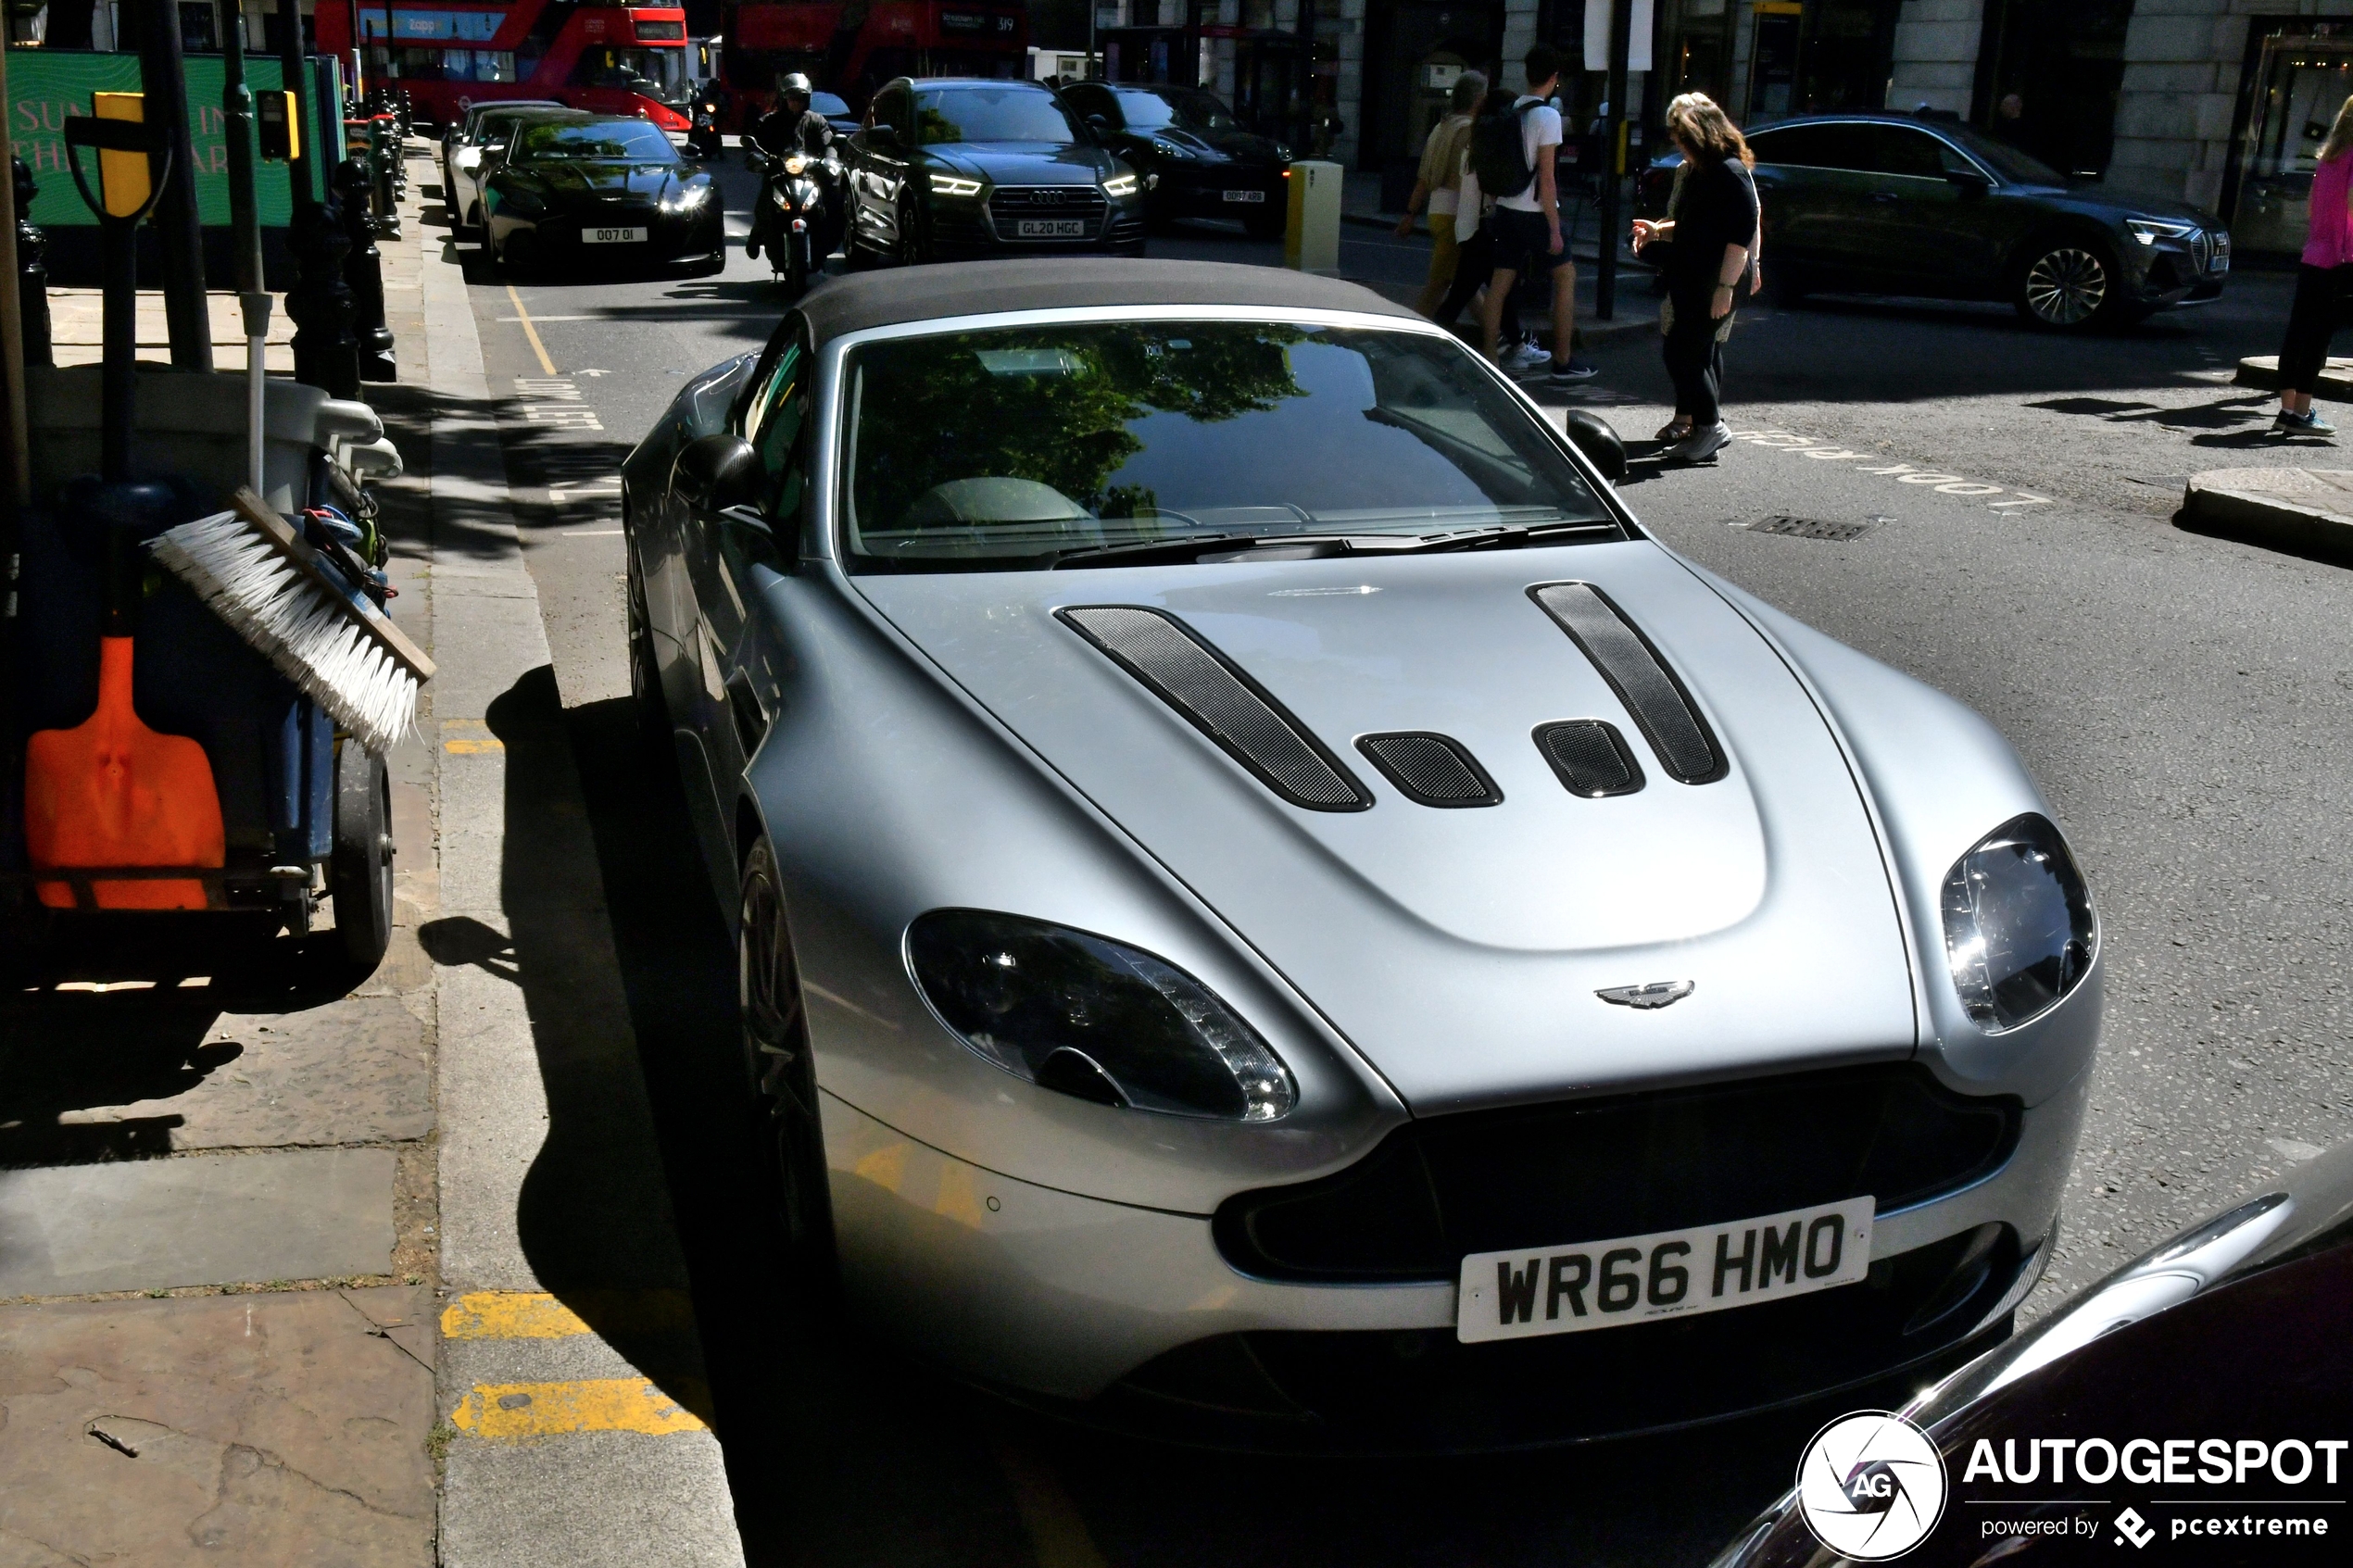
1057	1531
506	1314
510	1411
522	315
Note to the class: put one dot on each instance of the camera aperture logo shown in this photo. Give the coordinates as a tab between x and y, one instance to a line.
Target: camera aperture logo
1870	1485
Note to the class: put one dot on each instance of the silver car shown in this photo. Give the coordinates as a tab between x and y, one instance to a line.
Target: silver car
1270	908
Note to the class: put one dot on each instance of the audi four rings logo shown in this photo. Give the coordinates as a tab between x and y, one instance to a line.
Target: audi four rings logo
1870	1485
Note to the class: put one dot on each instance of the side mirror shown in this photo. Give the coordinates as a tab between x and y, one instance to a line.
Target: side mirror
716	472
1591	435
1967	182
1100	121
883	135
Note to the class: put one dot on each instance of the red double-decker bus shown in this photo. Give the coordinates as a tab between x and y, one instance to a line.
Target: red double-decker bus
603	54
850	47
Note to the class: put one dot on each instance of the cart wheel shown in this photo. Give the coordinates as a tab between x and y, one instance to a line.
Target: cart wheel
360	876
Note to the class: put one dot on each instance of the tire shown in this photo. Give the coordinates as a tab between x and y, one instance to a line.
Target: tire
2067	285
909	250
645	673
780	1080
359	872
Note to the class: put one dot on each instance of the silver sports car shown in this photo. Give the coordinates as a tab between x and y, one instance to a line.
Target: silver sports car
1270	907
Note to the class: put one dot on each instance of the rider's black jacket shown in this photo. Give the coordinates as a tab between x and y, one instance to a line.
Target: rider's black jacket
780	132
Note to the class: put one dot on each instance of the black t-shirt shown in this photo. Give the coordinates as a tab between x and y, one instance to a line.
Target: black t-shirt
1715	207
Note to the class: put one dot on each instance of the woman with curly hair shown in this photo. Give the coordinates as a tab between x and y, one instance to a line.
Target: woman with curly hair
1717	234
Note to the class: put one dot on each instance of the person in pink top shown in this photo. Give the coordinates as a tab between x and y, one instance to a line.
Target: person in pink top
2324	282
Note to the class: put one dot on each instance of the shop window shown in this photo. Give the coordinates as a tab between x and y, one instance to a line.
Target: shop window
2285	107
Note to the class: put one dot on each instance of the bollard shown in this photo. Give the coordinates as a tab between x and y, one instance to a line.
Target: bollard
383	154
363	270
326	356
1311	237
33	272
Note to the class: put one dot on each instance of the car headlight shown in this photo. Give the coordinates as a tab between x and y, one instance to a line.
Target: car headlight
1120	186
1282	152
2148	231
689	196
2019	929
1093	1018
1170	149
953	185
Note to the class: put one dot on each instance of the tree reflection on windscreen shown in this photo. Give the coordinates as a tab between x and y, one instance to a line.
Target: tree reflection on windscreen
1006	448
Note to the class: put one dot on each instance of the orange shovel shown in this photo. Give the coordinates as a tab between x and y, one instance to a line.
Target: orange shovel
111	792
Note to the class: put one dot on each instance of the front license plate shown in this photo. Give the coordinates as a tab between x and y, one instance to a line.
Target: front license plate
1050	229
1245	196
1530	1291
611	236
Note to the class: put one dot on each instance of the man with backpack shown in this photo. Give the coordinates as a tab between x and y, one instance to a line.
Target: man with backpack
1513	153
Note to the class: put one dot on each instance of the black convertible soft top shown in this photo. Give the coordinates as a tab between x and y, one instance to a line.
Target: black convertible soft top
978	288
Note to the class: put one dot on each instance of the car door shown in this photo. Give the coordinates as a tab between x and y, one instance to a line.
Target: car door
732	553
1811	181
1913	228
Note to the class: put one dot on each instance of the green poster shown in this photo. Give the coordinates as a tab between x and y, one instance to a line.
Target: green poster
45	86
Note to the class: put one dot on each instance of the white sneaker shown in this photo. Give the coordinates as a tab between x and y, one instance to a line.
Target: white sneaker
1523	356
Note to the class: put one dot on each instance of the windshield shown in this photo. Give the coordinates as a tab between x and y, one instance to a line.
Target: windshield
2013	166
992	114
631	141
1187	109
1004	449
659	74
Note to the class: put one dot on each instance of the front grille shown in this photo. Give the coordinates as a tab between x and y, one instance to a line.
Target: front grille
1430	768
1009	204
2202	249
1548	1175
1422	1387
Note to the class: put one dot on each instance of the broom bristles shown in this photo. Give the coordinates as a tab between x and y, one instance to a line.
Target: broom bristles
286	615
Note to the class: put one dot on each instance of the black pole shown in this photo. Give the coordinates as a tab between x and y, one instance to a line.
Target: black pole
163	81
236	112
1306	79
118	254
320	303
1621	30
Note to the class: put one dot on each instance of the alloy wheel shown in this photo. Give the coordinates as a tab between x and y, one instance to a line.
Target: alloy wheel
2066	286
777	1066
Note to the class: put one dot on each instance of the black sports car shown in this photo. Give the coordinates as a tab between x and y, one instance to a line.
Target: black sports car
1198	160
954	168
606	189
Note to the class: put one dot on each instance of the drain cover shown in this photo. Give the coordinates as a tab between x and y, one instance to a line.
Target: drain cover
1813	528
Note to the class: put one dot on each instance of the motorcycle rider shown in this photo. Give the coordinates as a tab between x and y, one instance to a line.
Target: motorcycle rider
790	127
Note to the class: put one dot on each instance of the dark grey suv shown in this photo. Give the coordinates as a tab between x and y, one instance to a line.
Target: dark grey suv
1889	204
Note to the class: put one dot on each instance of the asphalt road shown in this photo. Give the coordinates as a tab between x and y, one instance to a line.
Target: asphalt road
2183	699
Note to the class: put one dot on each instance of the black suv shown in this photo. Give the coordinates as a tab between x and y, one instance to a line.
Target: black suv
953	168
1893	205
1197	160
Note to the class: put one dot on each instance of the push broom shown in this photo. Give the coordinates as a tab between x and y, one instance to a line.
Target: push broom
273	589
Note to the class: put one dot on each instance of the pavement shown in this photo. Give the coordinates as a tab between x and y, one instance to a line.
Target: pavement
296	1272
77	330
2305	509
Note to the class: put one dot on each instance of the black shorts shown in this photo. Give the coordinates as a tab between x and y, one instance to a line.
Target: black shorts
1524	242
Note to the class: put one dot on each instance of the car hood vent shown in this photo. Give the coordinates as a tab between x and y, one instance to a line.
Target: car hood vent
1222	702
1652	692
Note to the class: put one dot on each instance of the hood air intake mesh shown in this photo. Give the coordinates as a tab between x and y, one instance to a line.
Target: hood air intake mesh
1222	702
1590	757
1432	769
1669	720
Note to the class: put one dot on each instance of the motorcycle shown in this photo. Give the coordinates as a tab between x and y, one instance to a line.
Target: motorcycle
703	136
796	190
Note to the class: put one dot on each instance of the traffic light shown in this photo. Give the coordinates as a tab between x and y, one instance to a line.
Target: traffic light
275	123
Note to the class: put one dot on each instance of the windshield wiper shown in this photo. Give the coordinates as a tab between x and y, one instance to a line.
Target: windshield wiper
1321	547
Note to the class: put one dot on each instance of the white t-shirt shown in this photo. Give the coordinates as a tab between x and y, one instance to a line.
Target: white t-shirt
1540	128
